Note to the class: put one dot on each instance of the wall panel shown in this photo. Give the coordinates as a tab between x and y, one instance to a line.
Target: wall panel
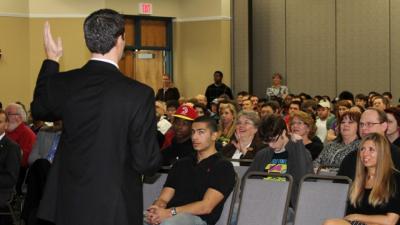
268	42
310	42
240	48
363	45
395	49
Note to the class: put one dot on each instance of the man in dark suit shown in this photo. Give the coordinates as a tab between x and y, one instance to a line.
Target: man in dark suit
10	157
109	134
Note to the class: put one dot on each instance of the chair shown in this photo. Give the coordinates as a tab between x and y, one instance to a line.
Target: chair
264	201
152	187
225	218
318	201
7	206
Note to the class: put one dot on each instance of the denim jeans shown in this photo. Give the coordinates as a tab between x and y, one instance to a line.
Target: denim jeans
183	219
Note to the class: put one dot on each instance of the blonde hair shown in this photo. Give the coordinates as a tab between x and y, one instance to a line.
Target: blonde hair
383	186
232	127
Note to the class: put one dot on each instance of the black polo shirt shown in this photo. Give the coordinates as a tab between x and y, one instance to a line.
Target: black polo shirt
191	181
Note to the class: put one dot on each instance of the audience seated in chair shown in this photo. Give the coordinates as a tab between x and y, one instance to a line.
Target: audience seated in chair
246	142
372	121
374	197
283	155
22	135
303	125
197	186
347	141
181	145
10	157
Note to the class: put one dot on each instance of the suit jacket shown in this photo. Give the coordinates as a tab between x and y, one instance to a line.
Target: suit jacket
171	94
256	144
108	141
10	157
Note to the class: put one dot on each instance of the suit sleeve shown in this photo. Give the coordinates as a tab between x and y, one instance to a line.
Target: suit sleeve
41	106
143	137
9	174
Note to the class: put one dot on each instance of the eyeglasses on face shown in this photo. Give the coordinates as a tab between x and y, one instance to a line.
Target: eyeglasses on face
369	124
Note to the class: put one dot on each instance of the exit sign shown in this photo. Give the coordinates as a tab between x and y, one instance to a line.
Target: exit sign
146	8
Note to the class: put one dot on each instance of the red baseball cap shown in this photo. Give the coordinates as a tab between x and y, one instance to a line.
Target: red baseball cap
186	112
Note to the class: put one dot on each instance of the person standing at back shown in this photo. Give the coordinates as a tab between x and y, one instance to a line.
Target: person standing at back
217	88
109	133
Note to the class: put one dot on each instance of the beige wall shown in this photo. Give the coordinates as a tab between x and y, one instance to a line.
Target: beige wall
14	64
61	8
14	7
200	49
330	45
66	18
70	30
169	8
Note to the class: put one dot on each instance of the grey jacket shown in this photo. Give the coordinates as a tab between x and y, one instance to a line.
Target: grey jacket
299	164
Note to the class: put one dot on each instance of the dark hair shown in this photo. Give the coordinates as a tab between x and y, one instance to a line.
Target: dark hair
243	93
388	93
172	103
1	105
362	97
309	103
353	116
219	72
346	95
318	97
326	97
273	104
102	29
385	101
209	121
202	106
271	127
263	100
372	93
296	103
395	112
305	96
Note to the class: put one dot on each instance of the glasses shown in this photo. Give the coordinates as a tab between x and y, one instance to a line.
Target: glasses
349	122
12	114
297	123
247	123
368	124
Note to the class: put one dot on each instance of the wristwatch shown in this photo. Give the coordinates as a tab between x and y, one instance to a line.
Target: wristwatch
173	211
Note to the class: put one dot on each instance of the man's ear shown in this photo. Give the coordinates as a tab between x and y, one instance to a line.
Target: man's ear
385	126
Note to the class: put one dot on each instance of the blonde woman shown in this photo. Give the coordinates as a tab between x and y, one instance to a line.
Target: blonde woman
374	196
227	122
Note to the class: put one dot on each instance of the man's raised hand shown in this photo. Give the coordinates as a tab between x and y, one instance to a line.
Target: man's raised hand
52	48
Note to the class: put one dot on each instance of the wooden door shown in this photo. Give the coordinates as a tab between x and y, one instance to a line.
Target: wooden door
149	70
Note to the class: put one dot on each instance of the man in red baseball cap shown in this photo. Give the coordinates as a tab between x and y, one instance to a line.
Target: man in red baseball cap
181	143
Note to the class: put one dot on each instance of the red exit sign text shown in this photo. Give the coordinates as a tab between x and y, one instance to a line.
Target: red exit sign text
145	8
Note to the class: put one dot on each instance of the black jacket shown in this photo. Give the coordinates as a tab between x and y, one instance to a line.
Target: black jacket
108	142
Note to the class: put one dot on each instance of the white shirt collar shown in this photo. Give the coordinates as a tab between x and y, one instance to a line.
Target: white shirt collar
106	60
1	136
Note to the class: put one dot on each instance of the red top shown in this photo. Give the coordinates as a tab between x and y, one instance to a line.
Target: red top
25	138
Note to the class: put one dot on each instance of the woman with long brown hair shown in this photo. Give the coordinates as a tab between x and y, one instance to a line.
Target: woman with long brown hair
374	196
